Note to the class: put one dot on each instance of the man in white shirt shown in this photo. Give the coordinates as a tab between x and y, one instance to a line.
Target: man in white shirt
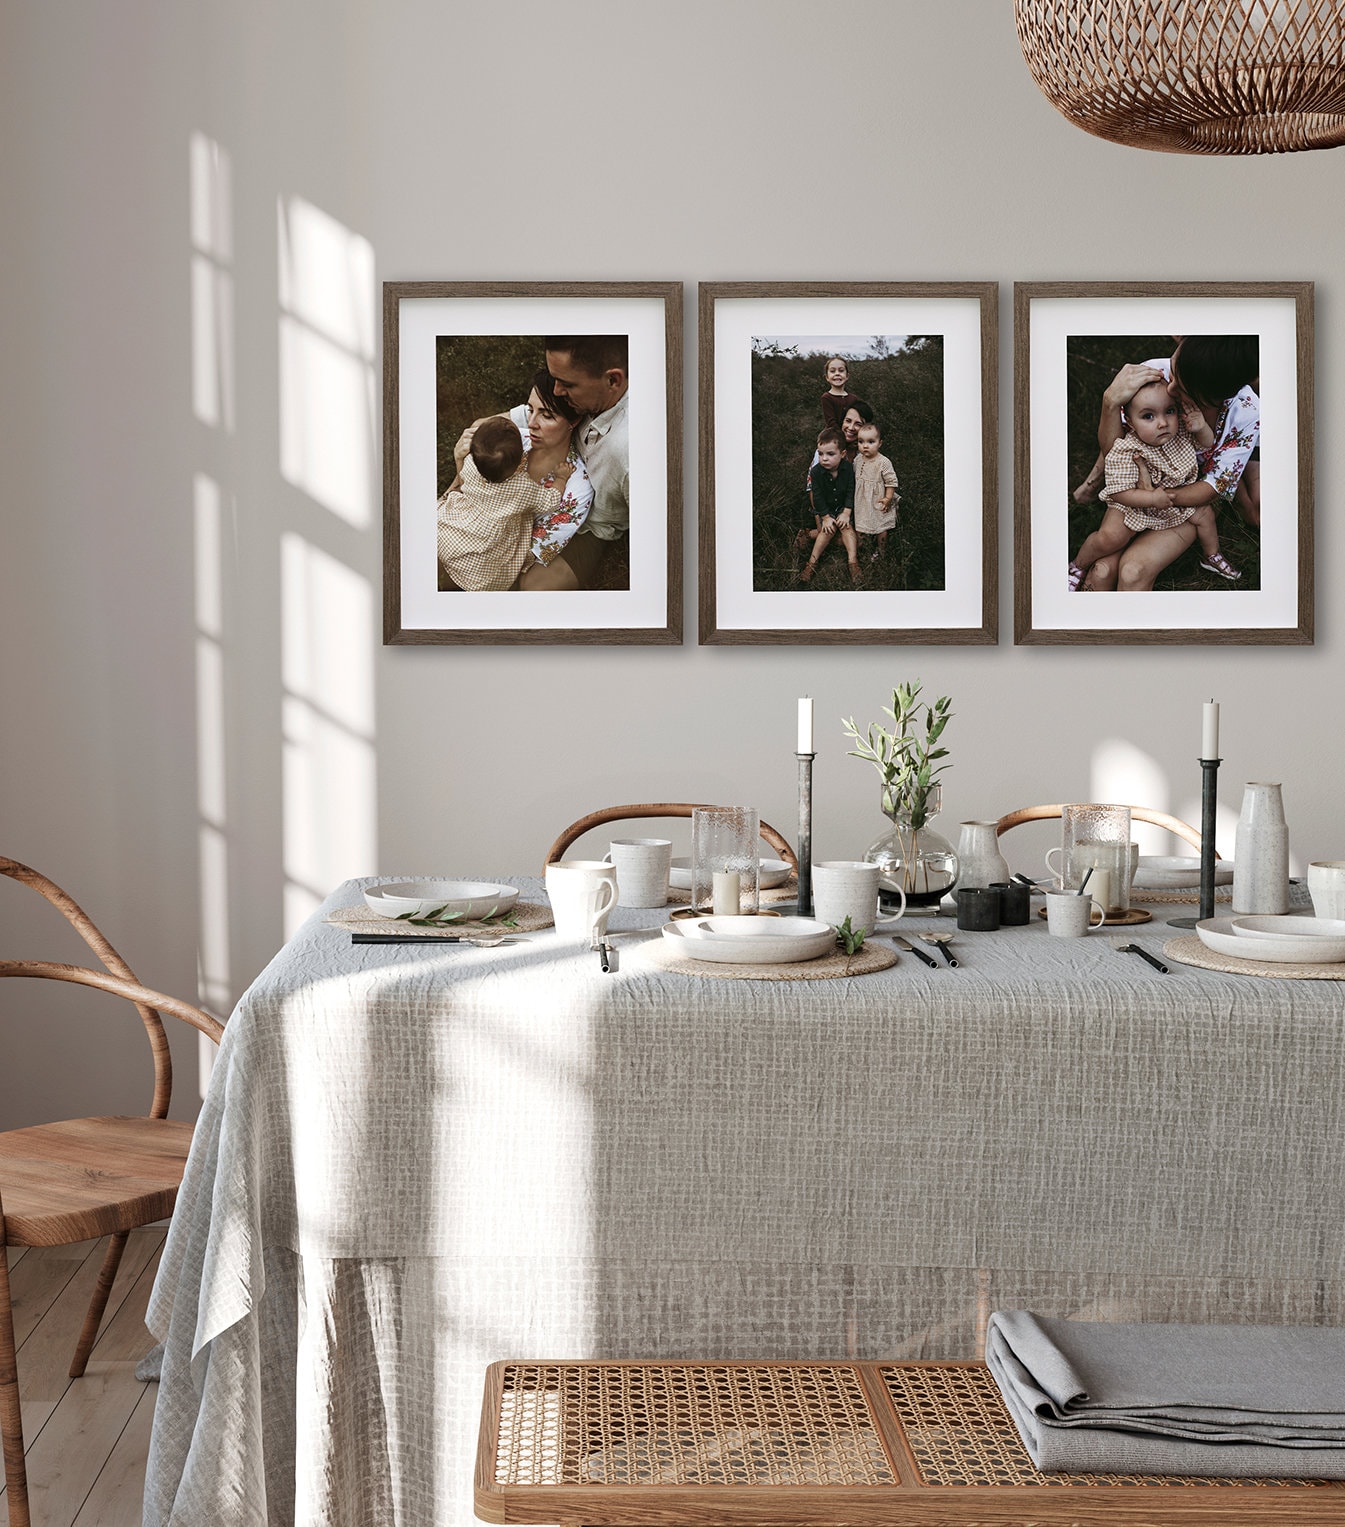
590	371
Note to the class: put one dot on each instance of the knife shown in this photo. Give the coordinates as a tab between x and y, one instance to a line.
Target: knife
905	943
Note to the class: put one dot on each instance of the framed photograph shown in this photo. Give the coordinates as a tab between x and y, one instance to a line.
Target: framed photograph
1149	503
531	462
847	462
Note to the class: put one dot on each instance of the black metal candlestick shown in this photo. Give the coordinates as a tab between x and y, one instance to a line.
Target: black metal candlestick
805	847
1209	802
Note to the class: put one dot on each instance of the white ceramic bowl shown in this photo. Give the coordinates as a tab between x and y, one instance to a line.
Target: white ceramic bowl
1219	934
1157	872
771	873
465	898
746	941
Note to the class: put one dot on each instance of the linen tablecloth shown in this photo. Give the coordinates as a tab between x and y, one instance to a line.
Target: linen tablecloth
415	1160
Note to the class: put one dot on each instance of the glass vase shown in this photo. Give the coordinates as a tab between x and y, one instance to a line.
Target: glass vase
913	855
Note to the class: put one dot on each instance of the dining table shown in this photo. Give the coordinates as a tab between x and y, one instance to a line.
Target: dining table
416	1159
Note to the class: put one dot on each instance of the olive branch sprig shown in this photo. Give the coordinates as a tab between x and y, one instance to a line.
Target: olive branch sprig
441	917
906	760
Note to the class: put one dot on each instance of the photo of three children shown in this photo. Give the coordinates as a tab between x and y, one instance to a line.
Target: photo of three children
825	470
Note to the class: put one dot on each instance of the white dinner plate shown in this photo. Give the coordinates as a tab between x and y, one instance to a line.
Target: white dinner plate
771	873
1218	933
724	941
1178	872
458	898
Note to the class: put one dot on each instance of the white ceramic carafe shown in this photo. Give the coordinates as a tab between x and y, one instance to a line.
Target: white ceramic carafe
1261	852
979	861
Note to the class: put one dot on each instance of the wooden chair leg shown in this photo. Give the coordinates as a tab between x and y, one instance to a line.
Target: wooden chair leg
107	1276
11	1417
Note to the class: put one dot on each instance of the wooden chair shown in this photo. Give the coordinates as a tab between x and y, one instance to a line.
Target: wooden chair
655	809
84	1178
1137	814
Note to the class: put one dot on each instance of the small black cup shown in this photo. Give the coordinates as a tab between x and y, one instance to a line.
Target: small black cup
978	909
1015	903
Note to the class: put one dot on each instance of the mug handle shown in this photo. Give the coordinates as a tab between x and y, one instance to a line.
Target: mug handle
1059	874
1096	906
609	902
886	922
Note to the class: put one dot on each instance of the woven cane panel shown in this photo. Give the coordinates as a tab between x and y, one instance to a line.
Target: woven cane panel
697	1424
960	1434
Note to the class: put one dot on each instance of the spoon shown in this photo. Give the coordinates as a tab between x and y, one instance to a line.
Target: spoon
940	942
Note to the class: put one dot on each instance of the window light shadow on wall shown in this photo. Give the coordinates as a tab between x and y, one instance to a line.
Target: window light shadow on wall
210	195
330	801
328	393
212	296
328	401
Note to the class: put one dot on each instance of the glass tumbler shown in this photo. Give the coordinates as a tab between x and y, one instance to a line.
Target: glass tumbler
724	843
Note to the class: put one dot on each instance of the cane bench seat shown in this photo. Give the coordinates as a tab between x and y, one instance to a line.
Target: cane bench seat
625	1444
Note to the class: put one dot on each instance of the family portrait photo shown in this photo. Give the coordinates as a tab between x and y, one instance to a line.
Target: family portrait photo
1164	462
533	448
847	462
1142	468
529	494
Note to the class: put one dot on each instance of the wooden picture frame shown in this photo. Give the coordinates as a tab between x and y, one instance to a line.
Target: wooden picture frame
1225	576
928	351
454	352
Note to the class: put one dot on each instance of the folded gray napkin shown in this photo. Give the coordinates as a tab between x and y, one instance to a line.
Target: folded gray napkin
1235	1401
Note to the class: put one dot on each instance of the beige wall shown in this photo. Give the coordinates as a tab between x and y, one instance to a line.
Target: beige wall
699	141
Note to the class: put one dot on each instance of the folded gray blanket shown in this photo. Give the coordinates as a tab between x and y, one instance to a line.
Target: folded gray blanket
1236	1401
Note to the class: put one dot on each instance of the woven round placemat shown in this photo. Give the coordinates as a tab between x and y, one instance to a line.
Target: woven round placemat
1176	898
828	967
529	917
1188	950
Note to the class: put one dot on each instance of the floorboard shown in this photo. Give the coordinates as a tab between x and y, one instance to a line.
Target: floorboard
87	1439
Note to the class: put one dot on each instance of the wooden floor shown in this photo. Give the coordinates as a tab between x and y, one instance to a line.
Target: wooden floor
87	1438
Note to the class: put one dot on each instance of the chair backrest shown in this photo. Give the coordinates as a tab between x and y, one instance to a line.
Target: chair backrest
121	979
655	809
1137	814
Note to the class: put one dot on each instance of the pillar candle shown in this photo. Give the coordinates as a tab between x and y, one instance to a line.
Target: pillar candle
1209	730
724	900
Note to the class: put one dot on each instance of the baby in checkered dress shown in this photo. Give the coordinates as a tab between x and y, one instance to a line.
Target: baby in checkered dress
485	520
1157	452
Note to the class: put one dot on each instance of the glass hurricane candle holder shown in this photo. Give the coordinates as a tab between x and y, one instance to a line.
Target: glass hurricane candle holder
724	842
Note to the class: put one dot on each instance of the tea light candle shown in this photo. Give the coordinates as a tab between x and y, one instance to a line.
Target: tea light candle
805	725
724	898
1209	730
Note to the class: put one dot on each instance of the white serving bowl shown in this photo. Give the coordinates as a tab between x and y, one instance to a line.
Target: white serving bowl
770	873
1219	934
1178	872
462	898
750	941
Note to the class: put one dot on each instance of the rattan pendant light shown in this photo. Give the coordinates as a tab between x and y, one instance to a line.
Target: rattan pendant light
1193	76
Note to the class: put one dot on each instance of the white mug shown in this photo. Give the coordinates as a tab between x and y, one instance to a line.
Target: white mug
1069	915
849	888
642	866
1326	886
582	892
